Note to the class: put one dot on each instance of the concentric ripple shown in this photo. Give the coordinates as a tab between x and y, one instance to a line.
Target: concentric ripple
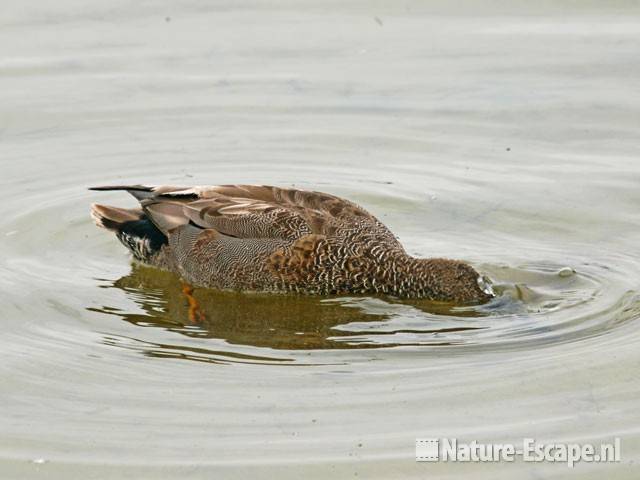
52	246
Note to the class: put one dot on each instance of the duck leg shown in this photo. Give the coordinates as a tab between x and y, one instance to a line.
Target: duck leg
196	315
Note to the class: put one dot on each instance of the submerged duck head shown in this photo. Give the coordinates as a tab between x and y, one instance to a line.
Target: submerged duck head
453	281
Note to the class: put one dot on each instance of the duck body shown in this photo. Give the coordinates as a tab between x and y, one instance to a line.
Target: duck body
263	238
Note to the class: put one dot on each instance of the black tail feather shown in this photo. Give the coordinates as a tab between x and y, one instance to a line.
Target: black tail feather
140	192
142	238
105	188
133	228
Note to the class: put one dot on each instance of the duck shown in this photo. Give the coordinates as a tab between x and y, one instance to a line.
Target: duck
283	240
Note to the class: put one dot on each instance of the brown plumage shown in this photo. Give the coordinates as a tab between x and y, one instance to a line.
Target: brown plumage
262	238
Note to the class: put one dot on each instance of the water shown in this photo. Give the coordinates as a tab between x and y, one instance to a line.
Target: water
506	137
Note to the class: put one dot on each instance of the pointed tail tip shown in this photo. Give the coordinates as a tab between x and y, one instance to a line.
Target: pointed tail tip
140	192
106	188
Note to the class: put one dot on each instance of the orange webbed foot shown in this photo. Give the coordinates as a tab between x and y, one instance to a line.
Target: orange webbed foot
196	315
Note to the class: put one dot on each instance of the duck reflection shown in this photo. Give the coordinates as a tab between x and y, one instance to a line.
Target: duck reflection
277	321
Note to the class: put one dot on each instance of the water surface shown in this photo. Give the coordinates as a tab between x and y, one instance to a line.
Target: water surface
507	138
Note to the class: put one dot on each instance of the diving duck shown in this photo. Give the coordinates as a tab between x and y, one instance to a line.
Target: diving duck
263	238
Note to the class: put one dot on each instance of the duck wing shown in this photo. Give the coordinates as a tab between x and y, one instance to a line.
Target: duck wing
255	211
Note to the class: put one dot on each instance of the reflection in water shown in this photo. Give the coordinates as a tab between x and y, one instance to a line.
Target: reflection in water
281	321
182	352
534	304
